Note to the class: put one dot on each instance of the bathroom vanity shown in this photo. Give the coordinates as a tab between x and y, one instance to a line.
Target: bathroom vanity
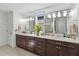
48	45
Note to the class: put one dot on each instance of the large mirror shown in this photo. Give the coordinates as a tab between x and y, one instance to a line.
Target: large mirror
26	25
58	21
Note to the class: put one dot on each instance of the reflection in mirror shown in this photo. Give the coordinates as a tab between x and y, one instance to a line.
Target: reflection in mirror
61	25
53	15
64	13
49	24
30	23
72	13
49	16
58	22
59	14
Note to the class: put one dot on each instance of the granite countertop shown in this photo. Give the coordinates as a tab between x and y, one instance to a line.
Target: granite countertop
52	37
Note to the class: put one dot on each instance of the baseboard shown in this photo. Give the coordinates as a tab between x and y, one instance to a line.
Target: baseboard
2	44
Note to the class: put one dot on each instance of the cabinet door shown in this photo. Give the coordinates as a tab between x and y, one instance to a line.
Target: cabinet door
22	41
52	50
26	42
30	44
40	47
67	51
18	40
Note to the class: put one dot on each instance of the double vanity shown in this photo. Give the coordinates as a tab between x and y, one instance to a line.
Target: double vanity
58	31
48	45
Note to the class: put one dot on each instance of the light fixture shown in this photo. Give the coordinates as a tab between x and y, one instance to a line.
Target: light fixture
28	18
31	18
22	20
53	15
65	13
59	14
49	15
71	13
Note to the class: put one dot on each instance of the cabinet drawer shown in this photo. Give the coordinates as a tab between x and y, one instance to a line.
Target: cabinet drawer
20	36
40	40
40	45
53	42
40	51
68	44
61	43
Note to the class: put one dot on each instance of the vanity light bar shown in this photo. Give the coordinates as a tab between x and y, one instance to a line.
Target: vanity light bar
29	18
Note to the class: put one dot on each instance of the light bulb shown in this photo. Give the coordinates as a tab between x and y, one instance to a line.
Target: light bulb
59	14
28	19
65	13
71	13
53	15
49	15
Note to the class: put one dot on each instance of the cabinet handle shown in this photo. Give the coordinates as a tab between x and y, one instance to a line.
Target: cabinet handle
59	47
58	43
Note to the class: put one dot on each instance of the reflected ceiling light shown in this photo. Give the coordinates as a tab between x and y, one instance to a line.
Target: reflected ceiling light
26	19
65	13
53	15
49	15
59	14
71	13
31	18
22	20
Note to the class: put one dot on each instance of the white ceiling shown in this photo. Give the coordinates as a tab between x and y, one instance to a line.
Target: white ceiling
23	7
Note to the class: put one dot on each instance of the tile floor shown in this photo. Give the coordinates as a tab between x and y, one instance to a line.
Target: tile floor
8	51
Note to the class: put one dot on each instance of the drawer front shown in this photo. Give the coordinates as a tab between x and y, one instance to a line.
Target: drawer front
68	44
61	43
40	39
53	42
40	51
20	36
40	45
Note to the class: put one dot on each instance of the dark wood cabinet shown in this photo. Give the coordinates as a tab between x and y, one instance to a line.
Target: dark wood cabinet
52	50
25	42
30	43
40	47
33	44
65	51
20	42
47	47
57	48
